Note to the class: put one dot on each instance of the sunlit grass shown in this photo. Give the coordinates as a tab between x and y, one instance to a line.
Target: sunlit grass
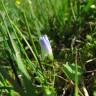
70	27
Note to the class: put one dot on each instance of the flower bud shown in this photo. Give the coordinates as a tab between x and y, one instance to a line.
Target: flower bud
46	47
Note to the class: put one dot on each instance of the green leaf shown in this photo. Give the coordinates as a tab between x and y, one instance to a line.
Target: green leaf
69	70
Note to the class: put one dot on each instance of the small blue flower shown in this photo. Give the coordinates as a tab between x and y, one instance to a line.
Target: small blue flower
46	47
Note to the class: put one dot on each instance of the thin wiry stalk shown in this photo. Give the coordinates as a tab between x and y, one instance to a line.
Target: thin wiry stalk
76	75
30	35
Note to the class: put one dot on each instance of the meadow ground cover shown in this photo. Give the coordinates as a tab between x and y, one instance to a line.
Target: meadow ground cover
47	47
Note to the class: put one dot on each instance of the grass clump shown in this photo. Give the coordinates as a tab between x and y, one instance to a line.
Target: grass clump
31	32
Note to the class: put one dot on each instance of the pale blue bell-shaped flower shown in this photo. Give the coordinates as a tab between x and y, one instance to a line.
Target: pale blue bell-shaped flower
46	47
